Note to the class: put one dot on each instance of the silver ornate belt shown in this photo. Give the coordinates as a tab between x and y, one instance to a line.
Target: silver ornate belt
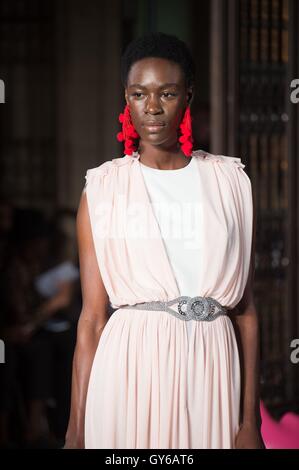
188	308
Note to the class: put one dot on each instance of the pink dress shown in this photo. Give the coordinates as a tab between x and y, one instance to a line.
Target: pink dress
153	385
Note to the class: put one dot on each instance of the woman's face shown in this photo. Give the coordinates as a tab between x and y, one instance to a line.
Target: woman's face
157	95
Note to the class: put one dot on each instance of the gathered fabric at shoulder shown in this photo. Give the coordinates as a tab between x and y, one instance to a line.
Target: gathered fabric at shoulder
206	156
100	170
232	160
105	168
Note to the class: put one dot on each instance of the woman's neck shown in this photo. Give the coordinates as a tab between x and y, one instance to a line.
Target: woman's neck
168	158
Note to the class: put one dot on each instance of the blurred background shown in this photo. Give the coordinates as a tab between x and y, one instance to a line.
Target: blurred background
60	63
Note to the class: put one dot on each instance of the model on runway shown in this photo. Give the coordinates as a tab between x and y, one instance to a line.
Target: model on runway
166	235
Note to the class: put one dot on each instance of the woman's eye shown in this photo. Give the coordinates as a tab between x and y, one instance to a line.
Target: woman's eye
168	95
165	94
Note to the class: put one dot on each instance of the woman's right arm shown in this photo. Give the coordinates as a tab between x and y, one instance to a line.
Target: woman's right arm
92	320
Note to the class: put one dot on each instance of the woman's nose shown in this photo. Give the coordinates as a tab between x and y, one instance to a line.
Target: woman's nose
153	105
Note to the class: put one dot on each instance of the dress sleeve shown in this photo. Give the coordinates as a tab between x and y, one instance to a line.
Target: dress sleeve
87	180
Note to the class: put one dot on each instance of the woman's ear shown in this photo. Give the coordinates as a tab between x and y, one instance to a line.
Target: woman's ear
126	96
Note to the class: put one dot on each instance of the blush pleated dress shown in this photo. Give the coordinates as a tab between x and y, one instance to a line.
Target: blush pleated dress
159	382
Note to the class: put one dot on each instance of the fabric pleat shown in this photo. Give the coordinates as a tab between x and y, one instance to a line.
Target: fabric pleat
152	388
154	382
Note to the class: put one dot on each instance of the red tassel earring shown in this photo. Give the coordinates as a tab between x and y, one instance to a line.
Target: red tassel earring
128	133
186	138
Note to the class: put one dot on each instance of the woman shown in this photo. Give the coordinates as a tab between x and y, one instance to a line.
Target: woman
163	371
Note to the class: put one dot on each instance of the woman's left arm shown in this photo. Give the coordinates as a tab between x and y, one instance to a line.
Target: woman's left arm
246	323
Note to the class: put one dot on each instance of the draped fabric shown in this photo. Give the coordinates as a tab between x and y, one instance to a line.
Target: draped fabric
136	269
152	386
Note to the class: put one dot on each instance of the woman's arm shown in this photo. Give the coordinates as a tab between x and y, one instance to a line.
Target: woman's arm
246	323
93	318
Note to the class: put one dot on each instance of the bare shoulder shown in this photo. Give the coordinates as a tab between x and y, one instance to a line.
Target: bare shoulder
82	218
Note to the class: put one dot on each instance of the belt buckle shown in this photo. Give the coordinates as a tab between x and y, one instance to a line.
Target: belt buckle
198	307
184	302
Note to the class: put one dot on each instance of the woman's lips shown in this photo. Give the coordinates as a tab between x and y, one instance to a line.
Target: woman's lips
153	127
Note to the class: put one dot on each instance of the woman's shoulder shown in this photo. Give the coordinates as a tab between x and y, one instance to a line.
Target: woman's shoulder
106	167
210	157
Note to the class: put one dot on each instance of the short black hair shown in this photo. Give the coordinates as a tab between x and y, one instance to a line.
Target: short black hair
165	46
